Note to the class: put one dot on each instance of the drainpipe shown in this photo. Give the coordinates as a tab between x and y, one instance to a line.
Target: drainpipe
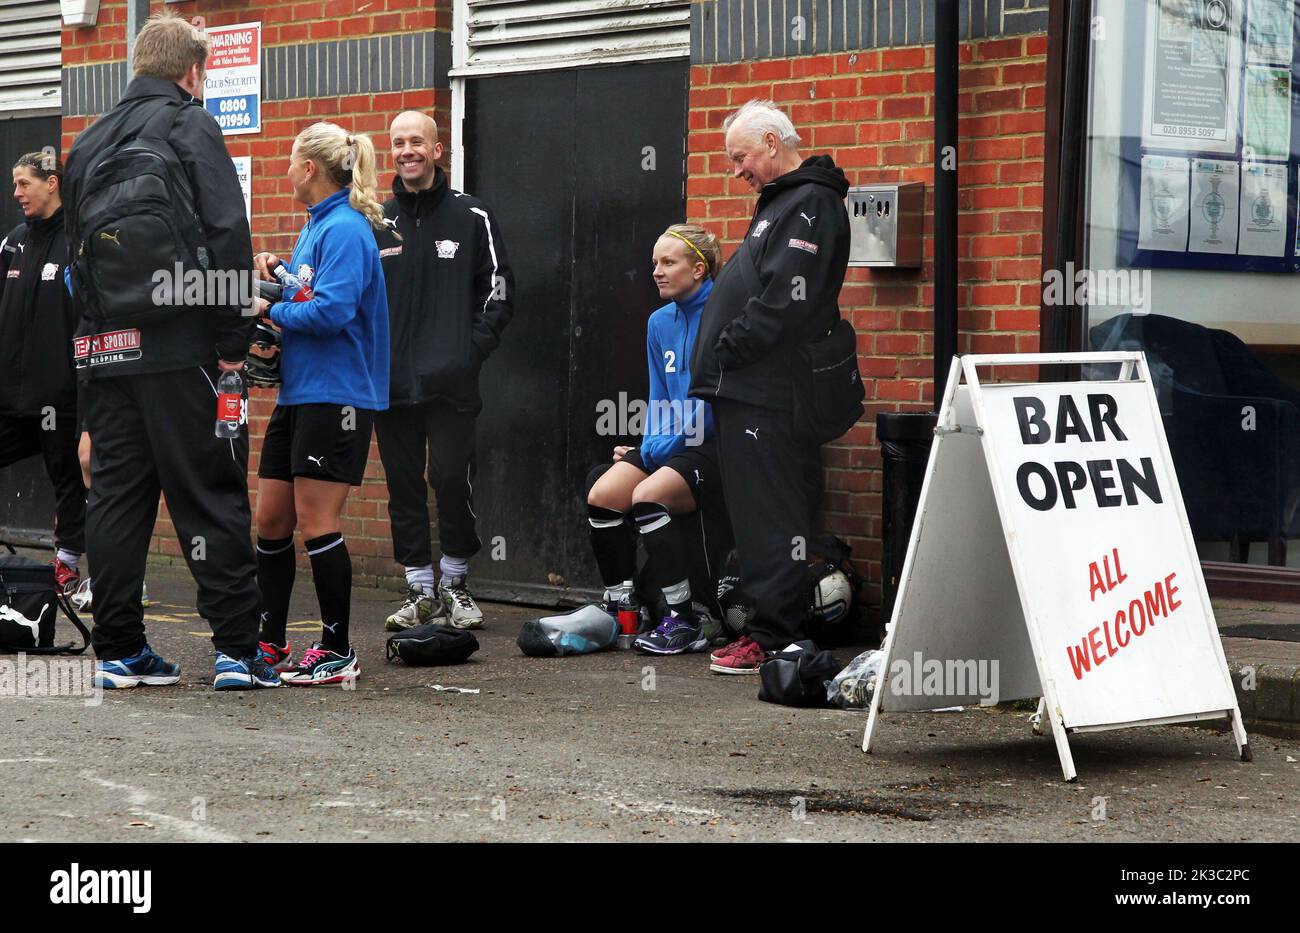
946	32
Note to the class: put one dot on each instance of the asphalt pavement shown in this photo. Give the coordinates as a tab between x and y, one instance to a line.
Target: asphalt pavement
613	746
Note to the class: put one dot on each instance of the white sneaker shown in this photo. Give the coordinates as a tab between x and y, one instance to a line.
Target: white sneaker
83	599
460	605
418	609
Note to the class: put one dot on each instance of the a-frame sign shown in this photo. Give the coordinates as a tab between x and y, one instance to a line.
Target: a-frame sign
1051	553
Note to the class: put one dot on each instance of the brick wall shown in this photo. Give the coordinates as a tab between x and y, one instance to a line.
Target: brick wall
276	216
873	111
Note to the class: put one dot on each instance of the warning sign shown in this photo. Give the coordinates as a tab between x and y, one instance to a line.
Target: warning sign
232	92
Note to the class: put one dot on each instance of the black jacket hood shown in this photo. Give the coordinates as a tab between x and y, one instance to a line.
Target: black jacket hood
815	170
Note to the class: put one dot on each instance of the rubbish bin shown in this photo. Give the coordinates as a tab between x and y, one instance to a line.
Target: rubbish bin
905	439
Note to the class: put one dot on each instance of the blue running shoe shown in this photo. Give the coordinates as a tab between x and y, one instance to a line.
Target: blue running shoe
675	635
244	674
147	667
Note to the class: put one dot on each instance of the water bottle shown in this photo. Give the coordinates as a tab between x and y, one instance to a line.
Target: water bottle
293	287
230	395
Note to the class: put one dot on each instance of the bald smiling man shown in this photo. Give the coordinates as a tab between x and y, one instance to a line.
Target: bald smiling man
449	299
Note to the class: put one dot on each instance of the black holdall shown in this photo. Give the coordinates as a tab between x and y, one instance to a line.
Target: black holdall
431	644
29	605
829	390
797	676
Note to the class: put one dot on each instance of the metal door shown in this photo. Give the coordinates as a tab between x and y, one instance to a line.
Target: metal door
584	169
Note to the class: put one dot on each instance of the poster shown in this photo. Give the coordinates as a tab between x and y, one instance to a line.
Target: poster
1263	210
1268	114
244	169
232	92
1163	217
1215	187
1268	32
1193	76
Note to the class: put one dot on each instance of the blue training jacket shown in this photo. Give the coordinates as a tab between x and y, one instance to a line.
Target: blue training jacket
336	345
674	421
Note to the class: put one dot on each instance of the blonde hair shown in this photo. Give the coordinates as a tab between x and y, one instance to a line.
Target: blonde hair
348	161
168	47
700	244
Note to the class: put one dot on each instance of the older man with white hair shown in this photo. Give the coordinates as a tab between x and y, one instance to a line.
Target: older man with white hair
778	292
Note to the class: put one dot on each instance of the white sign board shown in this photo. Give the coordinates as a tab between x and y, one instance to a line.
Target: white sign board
244	169
1051	557
232	92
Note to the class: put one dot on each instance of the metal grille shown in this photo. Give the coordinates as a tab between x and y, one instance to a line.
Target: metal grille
502	36
30	56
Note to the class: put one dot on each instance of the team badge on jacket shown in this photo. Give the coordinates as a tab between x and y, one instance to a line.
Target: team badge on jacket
49	272
305	274
760	227
446	248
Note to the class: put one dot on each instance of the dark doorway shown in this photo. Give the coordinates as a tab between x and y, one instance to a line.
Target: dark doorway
584	169
26	497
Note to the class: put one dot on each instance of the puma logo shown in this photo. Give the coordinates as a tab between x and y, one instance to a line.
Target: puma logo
9	614
753	431
111	237
807	218
319	461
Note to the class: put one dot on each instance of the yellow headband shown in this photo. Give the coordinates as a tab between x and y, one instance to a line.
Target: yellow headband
692	246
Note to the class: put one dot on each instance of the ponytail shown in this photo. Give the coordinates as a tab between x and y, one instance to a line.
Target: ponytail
348	161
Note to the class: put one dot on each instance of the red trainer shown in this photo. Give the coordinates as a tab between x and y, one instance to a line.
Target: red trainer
276	657
743	656
65	578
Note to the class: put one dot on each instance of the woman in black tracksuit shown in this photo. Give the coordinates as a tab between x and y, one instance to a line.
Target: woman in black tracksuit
38	396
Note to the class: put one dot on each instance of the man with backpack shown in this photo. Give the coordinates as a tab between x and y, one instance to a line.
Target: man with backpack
151	191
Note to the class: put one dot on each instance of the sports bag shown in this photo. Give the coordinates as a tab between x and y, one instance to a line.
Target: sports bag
431	644
828	387
798	676
29	604
136	217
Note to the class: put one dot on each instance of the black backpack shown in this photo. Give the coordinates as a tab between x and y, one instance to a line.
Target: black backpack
136	216
29	604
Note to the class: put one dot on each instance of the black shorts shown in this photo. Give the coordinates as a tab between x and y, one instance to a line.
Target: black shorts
317	441
697	465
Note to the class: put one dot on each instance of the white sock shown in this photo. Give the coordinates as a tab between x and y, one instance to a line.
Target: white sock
68	558
421	577
455	567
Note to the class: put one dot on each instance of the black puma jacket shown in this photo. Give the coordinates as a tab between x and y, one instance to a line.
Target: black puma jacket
450	293
779	289
36	321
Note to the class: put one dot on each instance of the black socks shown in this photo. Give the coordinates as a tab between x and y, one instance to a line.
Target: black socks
331	566
667	557
275	573
614	545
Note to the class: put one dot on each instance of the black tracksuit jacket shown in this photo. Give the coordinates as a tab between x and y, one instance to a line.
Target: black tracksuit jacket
798	246
200	335
450	293
37	321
